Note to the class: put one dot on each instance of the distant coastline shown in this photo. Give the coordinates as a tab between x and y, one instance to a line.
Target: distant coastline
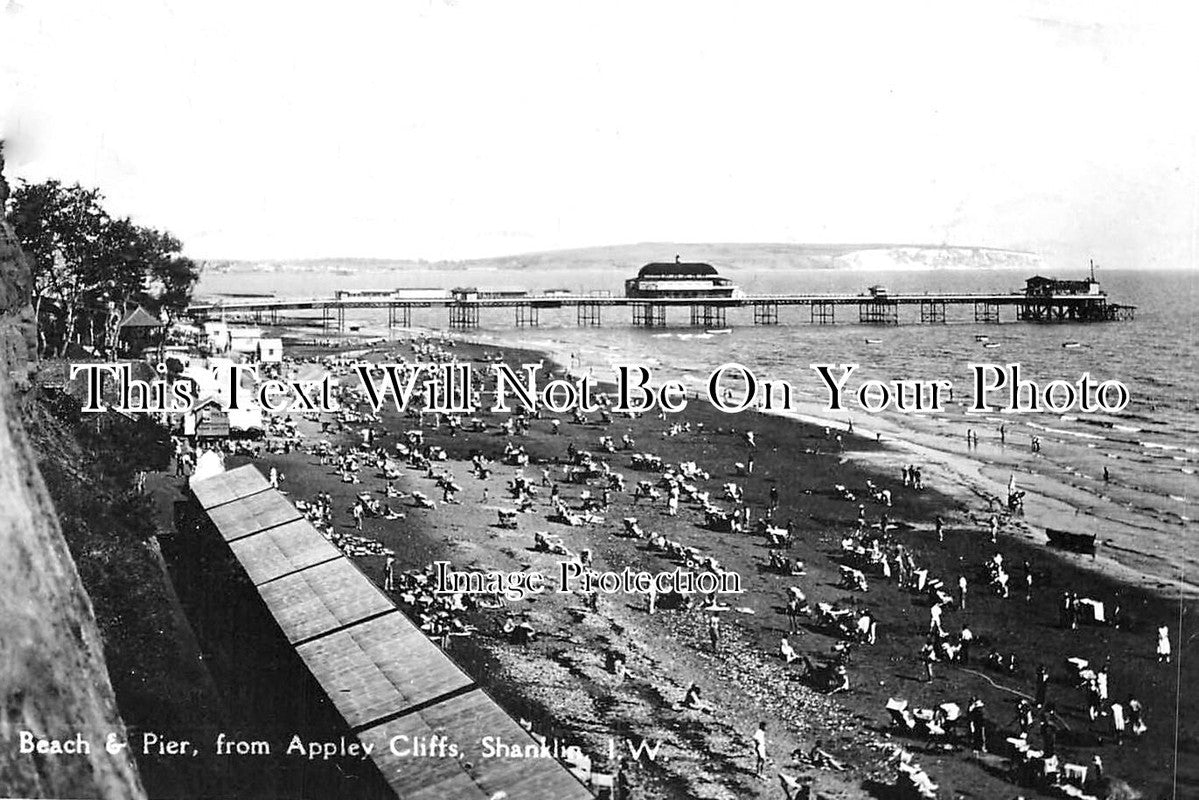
767	256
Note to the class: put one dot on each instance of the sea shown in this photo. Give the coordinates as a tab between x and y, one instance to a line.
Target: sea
1143	509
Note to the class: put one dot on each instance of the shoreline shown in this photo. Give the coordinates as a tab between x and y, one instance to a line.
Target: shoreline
1046	502
528	672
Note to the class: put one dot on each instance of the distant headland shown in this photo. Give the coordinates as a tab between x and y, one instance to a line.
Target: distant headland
761	256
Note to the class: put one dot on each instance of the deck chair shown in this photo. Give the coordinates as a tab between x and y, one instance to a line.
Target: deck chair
953	715
901	717
604	784
1075	773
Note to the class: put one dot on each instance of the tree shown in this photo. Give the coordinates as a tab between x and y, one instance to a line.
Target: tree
58	227
89	268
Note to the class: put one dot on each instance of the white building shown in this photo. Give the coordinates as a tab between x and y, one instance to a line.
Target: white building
270	351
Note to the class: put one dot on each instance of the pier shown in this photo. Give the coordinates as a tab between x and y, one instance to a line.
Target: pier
1044	300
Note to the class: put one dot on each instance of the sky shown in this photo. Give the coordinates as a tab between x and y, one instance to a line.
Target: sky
452	130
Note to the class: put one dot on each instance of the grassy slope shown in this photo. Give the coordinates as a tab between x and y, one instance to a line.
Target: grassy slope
155	669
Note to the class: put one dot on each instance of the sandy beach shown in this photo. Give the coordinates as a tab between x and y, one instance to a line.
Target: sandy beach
563	683
1061	495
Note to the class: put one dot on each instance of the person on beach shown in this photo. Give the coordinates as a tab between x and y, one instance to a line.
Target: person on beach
1094	780
1118	723
1042	684
929	653
389	574
1094	703
819	757
976	722
1072	611
693	700
1048	730
793	789
714	632
795	604
962	592
934	621
1024	717
1163	645
357	514
965	639
940	529
759	738
273	479
1136	716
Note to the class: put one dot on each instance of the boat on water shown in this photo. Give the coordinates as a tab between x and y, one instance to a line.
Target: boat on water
719	330
981	337
991	345
874	341
1071	345
1070	540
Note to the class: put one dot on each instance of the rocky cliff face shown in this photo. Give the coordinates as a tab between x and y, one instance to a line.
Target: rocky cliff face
53	679
18	334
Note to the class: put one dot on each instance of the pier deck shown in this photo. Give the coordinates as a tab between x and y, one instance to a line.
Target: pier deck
704	312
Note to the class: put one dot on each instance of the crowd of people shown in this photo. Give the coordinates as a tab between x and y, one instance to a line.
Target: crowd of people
874	551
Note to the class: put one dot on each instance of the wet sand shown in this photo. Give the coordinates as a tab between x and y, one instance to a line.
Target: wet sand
561	683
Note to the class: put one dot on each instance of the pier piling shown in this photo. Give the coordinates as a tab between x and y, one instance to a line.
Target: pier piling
824	313
649	315
878	312
932	312
707	316
589	314
527	316
986	312
399	316
766	313
464	315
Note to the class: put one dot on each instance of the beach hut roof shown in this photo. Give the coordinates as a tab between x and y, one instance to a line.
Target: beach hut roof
382	674
139	318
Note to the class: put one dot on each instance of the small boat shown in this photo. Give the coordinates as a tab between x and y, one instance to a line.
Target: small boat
1071	345
981	337
874	341
991	345
1068	540
719	330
